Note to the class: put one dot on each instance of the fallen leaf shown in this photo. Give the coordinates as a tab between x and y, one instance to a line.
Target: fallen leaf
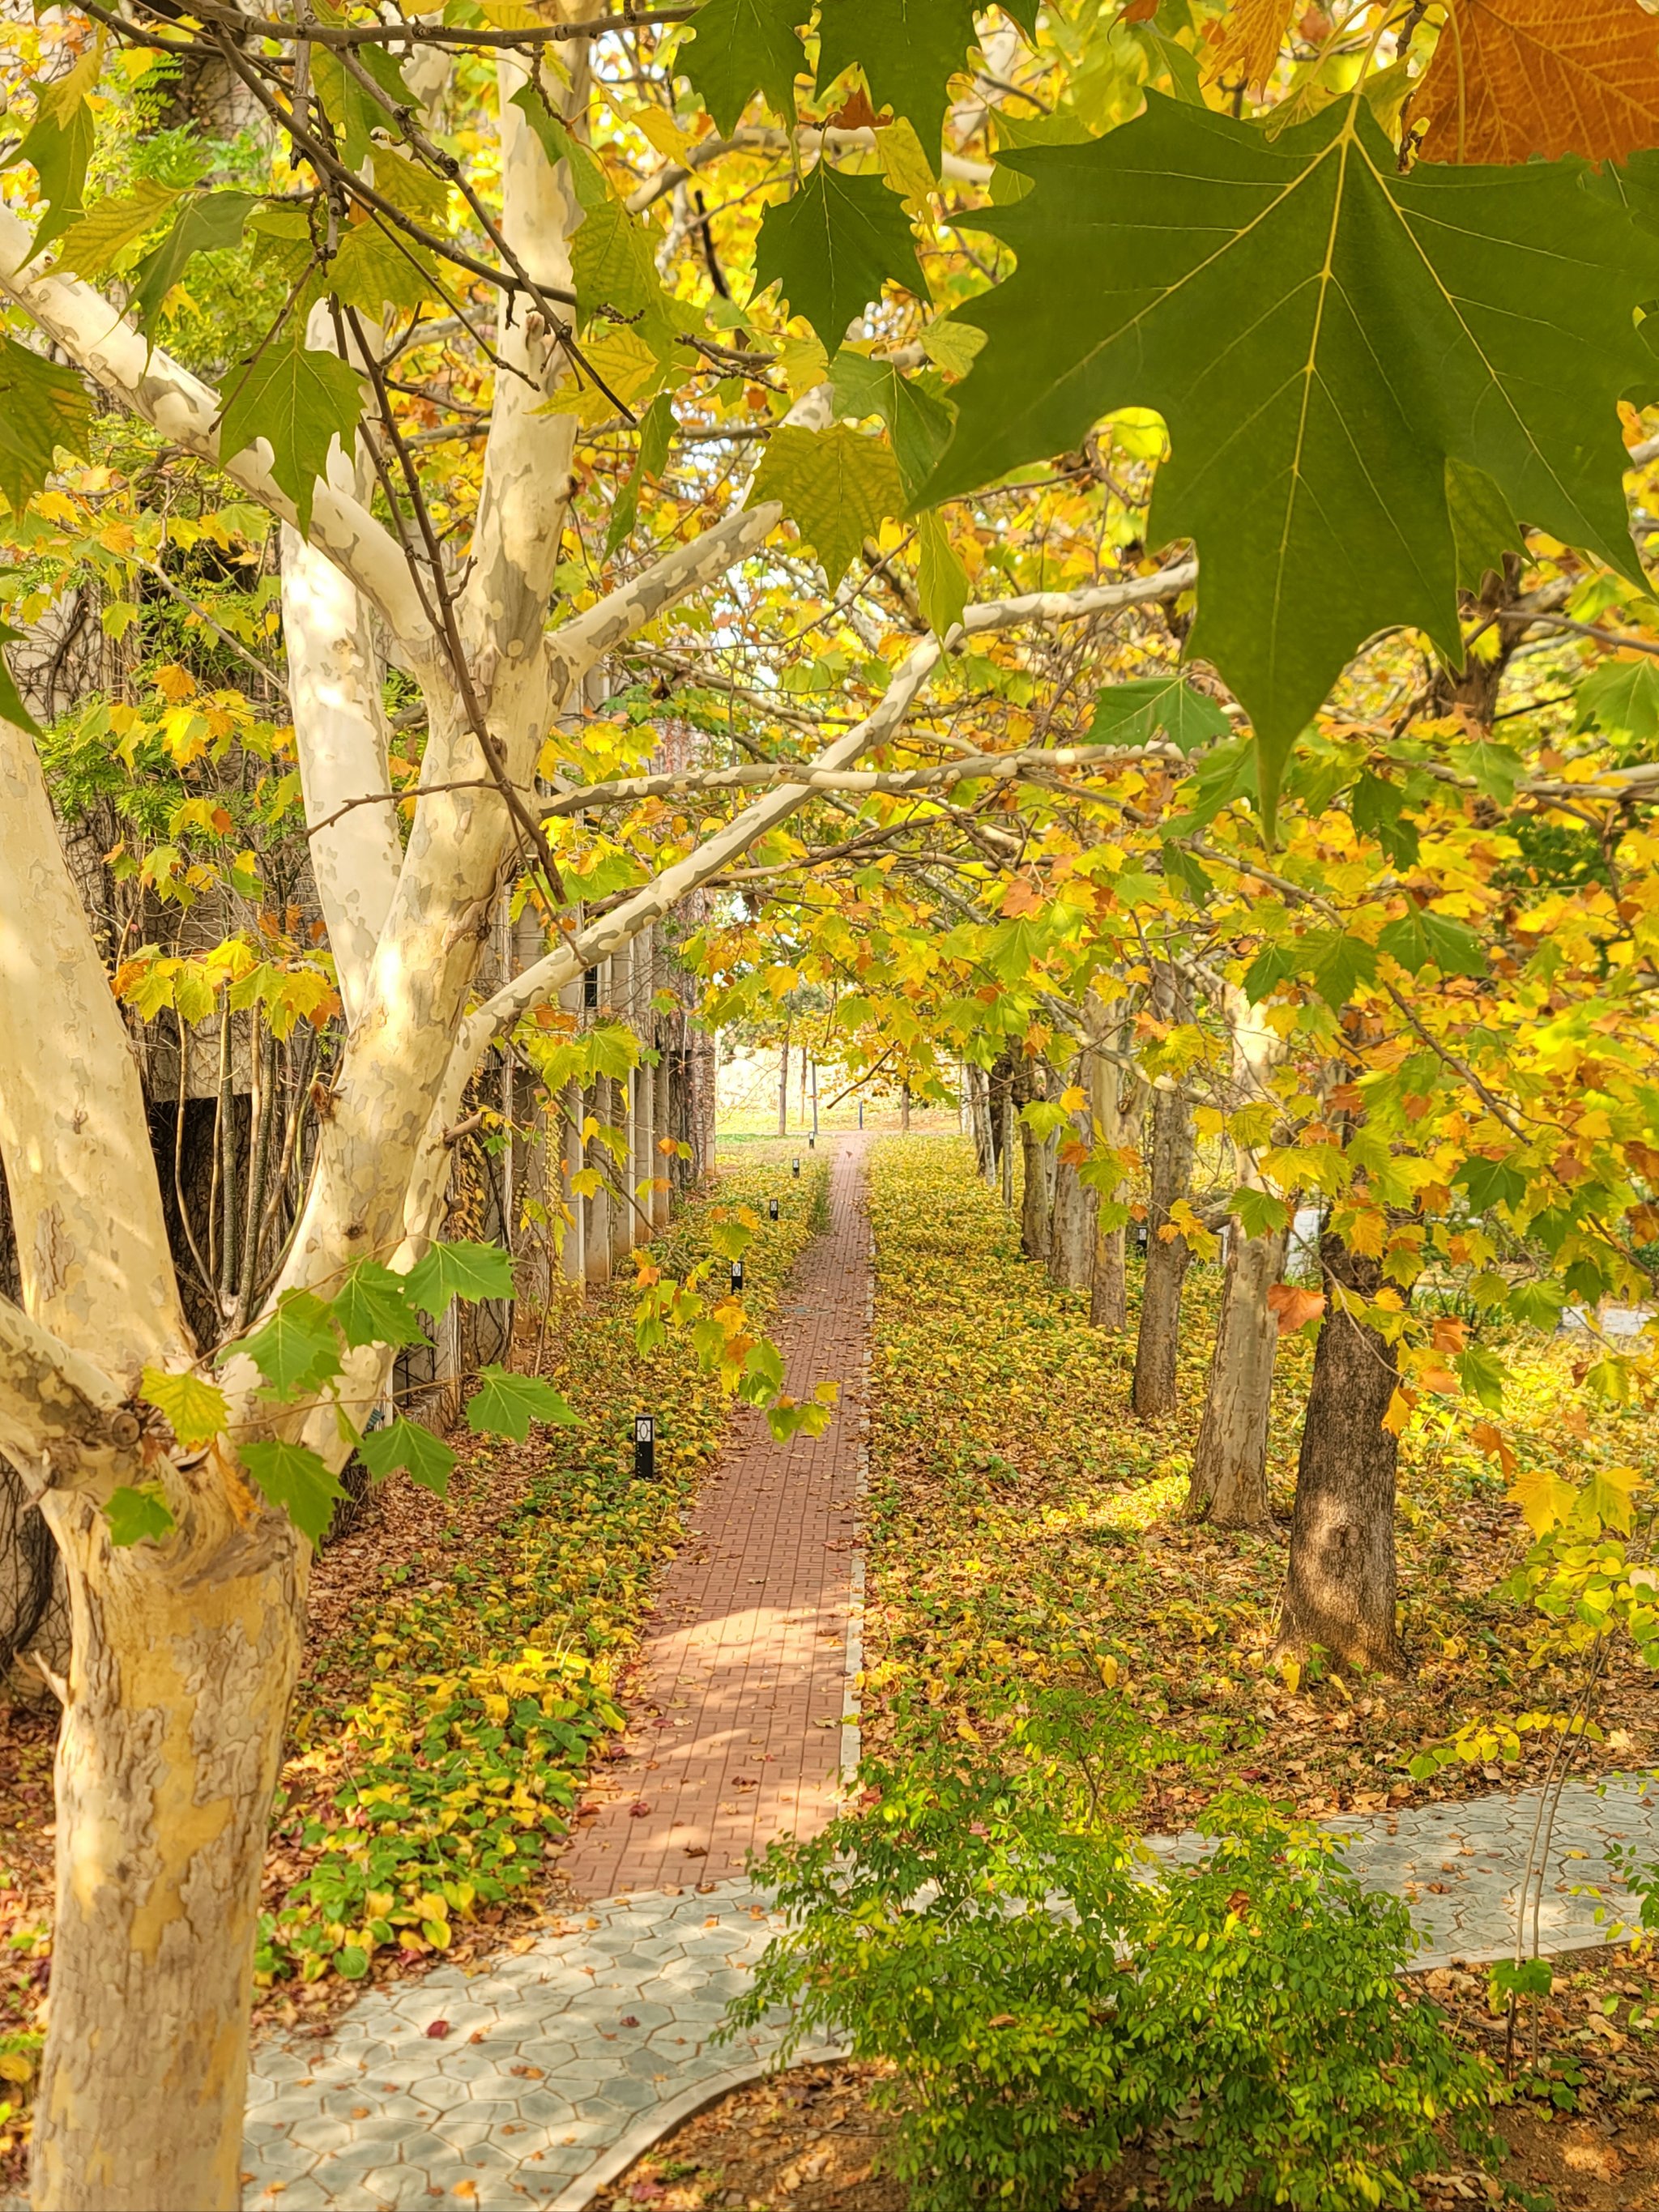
437	2030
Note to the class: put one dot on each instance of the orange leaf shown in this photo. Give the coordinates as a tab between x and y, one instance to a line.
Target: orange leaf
1249	43
1449	1334
1137	11
1438	1378
175	684
1293	1306
1512	78
1020	898
854	114
1491	1440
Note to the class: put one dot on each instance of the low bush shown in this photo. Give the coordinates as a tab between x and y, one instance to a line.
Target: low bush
1049	1991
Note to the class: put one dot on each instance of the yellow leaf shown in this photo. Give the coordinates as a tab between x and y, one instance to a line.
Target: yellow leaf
805	364
905	168
1398	1412
1607	1495
664	133
1291	1671
1544	1500
14	2066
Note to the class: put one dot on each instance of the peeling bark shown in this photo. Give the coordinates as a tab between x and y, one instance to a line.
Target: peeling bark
185	1655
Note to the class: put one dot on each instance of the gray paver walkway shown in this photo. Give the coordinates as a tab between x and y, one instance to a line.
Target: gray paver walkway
553	2057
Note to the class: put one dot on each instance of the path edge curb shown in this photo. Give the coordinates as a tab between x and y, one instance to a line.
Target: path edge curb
648	2132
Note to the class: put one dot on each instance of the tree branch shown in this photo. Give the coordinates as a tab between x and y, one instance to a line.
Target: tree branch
62	1419
101	341
92	1242
622	614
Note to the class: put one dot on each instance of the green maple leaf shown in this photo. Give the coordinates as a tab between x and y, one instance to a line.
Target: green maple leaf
830	247
742	47
42	407
296	1482
1420	939
1339	964
134	1512
1258	1212
1157	705
12	709
918	418
196	1410
91	245
372	1306
1622	698
1490	1182
427	1460
376	267
459	1271
836	486
613	255
941	580
1321	336
60	144
300	401
908	50
505	1404
1483	529
294	1347
209	223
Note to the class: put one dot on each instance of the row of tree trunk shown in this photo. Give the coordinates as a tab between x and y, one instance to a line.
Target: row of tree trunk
1340	1593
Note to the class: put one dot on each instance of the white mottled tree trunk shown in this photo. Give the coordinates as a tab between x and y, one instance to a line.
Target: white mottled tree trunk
184	1657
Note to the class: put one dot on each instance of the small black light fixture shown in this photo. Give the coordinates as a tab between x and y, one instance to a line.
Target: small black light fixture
812	1143
645	1447
794	1166
772	1208
737	1278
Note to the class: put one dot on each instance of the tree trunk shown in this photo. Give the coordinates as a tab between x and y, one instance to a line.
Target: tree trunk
1229	1482
1166	1258
1340	1593
1034	1204
1120	1129
979	1113
170	1740
1072	1233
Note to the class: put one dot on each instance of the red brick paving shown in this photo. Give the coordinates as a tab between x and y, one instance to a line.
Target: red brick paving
735	1711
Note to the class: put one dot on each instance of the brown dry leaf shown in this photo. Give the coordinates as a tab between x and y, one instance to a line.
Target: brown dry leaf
1250	39
1294	1306
1512	78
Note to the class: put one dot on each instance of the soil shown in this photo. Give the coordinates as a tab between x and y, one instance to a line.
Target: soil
814	2139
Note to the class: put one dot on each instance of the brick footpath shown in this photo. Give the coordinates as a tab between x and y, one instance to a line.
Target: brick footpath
736	1705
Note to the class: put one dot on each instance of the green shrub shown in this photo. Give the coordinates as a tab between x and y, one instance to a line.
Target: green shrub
1049	1992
